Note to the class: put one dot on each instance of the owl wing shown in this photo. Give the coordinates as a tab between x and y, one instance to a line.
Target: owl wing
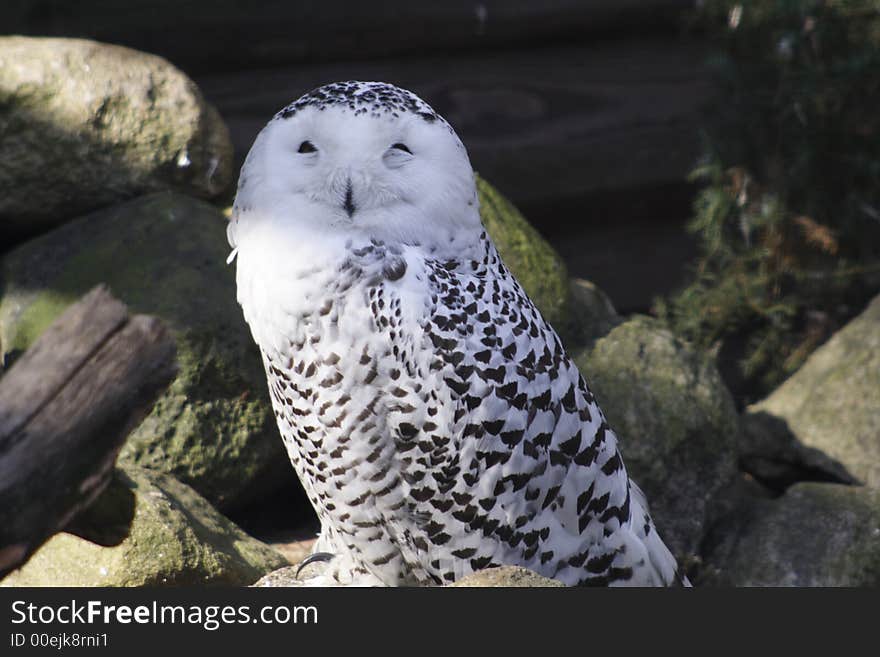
505	454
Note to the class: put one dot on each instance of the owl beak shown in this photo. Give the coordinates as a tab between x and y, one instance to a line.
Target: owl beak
349	203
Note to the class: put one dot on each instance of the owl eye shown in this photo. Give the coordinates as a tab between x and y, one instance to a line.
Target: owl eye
306	147
397	156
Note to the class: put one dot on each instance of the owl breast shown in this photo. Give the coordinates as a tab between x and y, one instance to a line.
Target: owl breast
436	423
343	372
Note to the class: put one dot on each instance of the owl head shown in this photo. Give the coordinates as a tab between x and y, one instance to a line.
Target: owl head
364	158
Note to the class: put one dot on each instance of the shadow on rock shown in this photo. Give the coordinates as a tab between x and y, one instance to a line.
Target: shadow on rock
774	456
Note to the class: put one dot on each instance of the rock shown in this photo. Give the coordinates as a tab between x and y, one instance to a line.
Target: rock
675	420
278	578
164	255
537	267
175	538
832	403
506	576
814	535
86	124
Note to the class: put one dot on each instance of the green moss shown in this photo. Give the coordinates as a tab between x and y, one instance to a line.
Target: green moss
35	319
537	267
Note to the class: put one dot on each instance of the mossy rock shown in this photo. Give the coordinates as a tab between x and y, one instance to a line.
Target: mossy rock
164	255
816	534
674	418
87	124
832	403
175	538
538	268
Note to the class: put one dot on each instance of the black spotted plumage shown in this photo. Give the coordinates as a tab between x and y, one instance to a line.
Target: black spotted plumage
376	99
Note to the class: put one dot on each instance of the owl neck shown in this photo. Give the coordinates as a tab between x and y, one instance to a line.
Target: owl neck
303	240
283	266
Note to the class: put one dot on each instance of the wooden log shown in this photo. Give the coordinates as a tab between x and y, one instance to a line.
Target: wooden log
212	35
66	407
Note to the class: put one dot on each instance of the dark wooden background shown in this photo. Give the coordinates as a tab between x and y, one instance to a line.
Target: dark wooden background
586	114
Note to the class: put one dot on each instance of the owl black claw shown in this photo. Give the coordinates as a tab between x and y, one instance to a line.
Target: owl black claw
312	558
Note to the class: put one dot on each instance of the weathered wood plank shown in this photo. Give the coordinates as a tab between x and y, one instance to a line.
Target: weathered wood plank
66	345
210	35
58	442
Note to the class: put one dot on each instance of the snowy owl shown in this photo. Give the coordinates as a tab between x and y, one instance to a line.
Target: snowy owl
431	414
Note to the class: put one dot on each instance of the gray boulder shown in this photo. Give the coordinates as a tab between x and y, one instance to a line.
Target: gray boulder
675	419
86	124
815	535
832	403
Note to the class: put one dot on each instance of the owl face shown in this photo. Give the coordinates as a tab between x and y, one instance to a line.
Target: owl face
371	159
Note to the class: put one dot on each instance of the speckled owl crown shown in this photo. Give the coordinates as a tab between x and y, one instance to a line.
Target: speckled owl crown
377	99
